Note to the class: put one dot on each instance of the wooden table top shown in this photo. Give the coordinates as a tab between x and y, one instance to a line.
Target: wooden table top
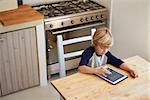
81	86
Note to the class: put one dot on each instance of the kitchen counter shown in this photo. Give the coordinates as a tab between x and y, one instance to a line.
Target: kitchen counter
23	17
19	26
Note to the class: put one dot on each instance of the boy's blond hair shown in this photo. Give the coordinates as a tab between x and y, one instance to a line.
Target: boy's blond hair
103	37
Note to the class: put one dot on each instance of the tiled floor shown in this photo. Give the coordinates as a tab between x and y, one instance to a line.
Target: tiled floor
38	93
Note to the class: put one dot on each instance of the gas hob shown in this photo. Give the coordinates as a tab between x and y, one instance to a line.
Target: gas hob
69	13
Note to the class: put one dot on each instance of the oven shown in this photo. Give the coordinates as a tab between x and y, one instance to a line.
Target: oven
68	28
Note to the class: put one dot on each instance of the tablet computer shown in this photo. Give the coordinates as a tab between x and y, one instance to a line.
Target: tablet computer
113	78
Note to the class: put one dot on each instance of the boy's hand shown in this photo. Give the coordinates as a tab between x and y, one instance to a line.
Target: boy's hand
103	71
133	73
129	68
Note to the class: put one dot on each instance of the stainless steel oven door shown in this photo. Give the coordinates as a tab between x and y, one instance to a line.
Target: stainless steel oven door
80	33
67	34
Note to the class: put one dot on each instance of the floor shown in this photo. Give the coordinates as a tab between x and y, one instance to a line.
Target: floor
38	93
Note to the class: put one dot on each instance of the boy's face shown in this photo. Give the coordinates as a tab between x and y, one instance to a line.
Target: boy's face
100	49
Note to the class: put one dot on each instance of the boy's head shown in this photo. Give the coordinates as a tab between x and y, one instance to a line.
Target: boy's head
102	40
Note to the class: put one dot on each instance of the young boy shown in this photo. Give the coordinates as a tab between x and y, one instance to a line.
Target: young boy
98	54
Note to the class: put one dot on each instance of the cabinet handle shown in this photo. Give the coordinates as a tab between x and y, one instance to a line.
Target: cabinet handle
1	39
49	48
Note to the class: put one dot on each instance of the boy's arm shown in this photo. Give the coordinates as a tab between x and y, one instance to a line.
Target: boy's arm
113	60
119	63
86	69
90	70
128	68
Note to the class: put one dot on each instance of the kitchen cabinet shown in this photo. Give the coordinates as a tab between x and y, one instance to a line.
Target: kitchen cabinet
18	60
0	91
22	50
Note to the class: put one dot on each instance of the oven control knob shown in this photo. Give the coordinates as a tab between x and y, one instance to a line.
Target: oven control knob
62	23
86	18
102	16
97	17
81	20
51	26
92	17
72	22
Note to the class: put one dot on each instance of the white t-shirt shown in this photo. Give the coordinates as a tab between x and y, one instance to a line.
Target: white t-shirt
97	61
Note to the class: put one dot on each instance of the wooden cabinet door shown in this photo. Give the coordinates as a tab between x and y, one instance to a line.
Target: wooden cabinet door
0	91
19	60
0	65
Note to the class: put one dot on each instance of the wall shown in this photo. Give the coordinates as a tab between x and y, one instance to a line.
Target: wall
130	28
149	29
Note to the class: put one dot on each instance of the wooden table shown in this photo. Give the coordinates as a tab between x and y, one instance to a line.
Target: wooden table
81	86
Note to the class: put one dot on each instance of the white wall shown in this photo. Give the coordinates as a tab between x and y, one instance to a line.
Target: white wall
149	29
130	28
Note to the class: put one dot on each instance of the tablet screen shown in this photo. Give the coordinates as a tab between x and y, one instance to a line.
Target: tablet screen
114	75
113	78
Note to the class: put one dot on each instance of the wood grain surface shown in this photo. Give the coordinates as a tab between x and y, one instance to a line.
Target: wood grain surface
89	87
18	60
23	14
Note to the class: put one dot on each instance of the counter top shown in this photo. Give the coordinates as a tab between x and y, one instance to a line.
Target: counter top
14	27
23	13
20	18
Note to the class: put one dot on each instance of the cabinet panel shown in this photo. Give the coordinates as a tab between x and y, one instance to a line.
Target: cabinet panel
0	91
6	80
0	66
19	60
34	55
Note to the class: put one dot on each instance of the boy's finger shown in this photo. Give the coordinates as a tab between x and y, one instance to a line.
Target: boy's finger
104	75
134	74
106	71
103	71
109	72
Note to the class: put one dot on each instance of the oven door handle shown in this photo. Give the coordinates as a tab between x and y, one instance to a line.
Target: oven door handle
80	27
